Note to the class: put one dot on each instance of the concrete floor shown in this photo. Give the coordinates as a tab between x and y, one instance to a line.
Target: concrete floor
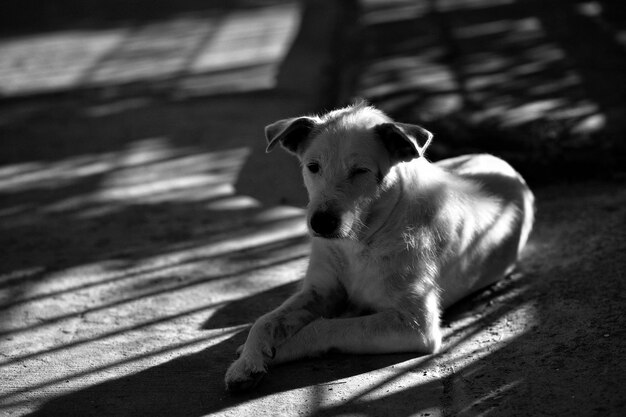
142	234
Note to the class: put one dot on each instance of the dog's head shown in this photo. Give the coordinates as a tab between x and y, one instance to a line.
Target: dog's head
348	158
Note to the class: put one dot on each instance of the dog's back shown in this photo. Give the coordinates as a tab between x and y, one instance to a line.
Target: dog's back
495	244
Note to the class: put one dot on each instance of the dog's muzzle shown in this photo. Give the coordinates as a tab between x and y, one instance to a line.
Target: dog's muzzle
325	223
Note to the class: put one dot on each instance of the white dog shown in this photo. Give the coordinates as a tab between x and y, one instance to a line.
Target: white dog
396	239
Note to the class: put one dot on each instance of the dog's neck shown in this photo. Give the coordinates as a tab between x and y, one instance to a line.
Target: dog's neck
391	206
383	210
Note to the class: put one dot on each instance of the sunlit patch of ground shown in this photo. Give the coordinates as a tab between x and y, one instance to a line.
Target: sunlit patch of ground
193	54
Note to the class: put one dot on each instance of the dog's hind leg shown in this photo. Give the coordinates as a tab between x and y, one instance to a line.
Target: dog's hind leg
389	331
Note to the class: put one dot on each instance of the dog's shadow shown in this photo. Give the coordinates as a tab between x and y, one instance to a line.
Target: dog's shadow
247	309
193	385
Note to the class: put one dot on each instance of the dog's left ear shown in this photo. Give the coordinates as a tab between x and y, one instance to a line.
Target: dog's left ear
404	141
290	133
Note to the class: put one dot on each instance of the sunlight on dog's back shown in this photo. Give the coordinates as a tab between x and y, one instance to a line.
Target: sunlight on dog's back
495	217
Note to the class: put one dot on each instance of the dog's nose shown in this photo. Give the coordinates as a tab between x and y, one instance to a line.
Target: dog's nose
324	223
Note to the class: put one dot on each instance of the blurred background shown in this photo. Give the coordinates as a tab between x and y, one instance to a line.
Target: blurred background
140	217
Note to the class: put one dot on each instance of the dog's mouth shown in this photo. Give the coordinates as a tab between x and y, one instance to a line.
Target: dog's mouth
325	235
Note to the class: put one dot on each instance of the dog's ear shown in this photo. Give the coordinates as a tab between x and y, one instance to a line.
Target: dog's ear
290	133
404	141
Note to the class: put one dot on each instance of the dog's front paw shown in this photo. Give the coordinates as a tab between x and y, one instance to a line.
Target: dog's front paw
244	374
267	350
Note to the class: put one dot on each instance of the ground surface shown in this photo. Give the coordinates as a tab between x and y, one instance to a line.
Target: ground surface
143	228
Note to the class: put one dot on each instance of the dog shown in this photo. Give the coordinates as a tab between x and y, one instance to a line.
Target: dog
395	239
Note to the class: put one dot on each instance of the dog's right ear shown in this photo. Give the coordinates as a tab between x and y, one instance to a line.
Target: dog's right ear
404	141
290	133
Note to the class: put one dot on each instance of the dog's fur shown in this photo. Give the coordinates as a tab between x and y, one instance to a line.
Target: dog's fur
395	239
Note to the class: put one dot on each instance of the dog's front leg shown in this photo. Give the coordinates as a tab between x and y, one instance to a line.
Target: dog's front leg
413	329
272	329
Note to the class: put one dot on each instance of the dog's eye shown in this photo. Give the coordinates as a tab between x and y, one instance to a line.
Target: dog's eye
313	167
358	171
